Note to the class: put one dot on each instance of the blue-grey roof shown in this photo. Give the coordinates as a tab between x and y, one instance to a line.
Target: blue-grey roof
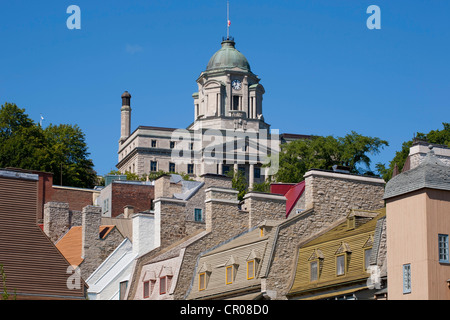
188	188
431	173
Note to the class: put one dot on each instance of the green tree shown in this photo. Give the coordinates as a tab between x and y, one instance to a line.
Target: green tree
238	182
59	149
352	150
440	137
21	141
67	156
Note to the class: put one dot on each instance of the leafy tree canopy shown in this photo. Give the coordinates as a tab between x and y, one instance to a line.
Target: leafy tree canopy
440	137
59	149
352	151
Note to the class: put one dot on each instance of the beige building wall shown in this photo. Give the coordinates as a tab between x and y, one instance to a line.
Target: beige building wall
417	219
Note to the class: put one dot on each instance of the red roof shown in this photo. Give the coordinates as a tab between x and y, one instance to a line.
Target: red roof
292	192
281	188
293	195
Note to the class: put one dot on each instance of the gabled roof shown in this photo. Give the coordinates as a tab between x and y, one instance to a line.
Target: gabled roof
34	267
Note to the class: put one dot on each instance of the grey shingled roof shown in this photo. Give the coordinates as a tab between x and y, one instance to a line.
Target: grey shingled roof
431	173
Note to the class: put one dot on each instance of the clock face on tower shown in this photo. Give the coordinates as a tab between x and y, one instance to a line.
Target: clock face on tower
236	84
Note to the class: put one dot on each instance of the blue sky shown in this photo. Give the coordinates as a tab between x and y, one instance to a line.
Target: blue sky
324	71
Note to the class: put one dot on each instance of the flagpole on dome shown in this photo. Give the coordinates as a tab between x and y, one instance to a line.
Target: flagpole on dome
228	20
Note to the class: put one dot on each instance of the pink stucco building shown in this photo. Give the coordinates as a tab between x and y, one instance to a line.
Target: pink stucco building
418	229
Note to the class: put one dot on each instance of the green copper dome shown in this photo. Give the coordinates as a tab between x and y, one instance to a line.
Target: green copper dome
228	57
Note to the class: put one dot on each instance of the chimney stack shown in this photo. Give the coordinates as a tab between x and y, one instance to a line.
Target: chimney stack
128	211
264	206
90	252
125	117
143	233
222	211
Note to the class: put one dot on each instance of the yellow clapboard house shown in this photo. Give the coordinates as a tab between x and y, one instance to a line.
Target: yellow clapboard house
336	263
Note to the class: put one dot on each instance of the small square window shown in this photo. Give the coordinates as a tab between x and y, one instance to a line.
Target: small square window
153	143
172	167
190	168
172	144
198	214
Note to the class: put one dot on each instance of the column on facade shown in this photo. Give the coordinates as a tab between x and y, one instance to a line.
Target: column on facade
245	96
229	99
251	175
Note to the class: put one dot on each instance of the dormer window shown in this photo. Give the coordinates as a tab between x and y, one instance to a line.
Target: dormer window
230	270
203	276
341	258
253	260
315	265
148	284
165	280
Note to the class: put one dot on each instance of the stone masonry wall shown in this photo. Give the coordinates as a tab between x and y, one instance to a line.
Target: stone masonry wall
56	220
263	206
90	251
170	217
334	194
225	221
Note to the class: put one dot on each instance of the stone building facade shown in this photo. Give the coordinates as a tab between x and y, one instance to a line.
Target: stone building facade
228	132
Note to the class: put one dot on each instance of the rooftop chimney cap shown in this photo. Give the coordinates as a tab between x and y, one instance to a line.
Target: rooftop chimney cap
126	94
